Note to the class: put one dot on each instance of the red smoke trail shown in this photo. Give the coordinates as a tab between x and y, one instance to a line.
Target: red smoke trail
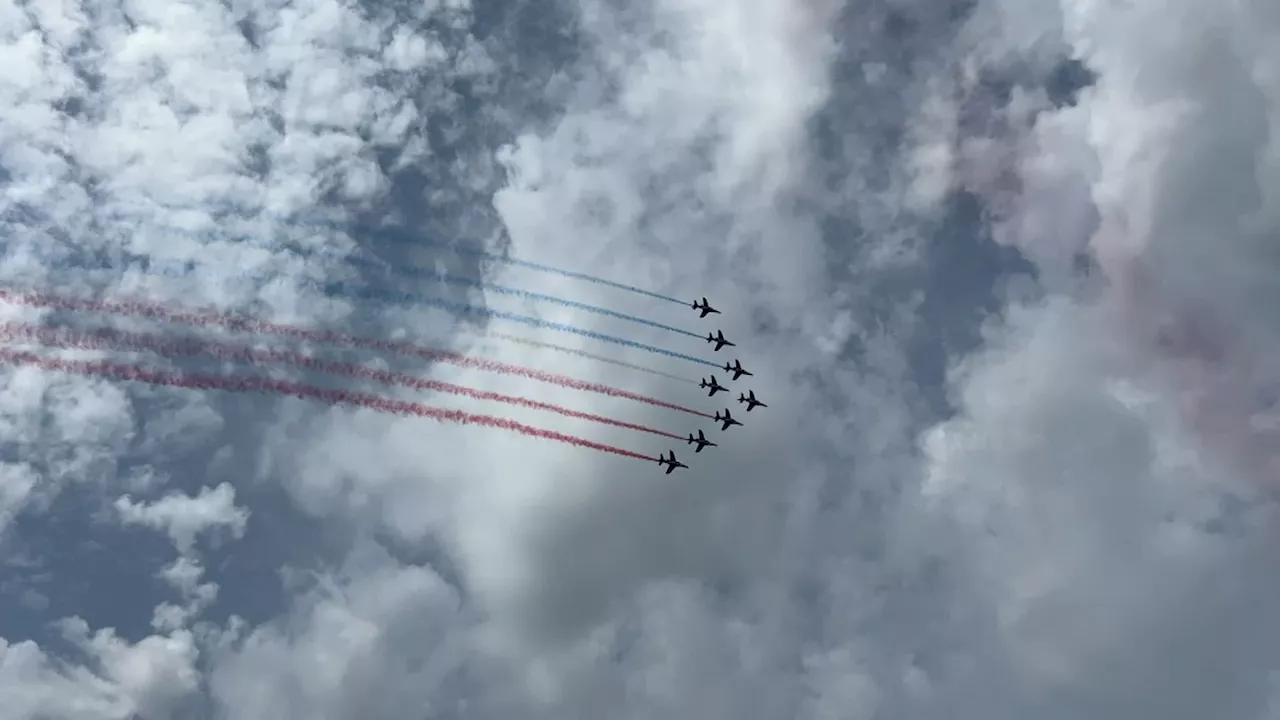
306	392
111	339
207	319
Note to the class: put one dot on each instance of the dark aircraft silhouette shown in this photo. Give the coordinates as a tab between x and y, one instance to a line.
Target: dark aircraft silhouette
704	307
671	464
715	386
701	440
719	340
750	400
727	420
736	369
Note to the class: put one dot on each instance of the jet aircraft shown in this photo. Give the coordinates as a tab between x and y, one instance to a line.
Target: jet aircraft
750	400
704	307
701	440
671	464
719	340
736	369
715	386
727	420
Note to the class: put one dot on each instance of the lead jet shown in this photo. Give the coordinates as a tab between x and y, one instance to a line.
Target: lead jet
719	340
750	400
704	307
701	440
671	464
727	420
715	386
736	369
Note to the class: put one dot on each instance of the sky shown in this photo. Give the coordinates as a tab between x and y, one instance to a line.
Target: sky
1002	269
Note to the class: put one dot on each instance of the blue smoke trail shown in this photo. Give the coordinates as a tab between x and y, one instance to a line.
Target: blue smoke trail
342	289
570	274
428	273
414	271
339	226
468	309
547	268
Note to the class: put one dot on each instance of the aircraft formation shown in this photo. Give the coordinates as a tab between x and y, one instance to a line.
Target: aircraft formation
177	327
713	386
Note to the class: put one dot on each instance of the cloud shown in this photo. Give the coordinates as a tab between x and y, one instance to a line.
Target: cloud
184	517
374	637
184	575
676	160
700	139
1107	468
19	481
1073	520
35	686
151	678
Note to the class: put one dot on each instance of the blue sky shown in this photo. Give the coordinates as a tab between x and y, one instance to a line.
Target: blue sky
1003	271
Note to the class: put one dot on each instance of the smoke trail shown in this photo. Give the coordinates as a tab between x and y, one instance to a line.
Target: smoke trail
306	392
407	270
239	324
112	339
467	308
585	354
478	253
408	298
427	273
547	268
472	252
457	280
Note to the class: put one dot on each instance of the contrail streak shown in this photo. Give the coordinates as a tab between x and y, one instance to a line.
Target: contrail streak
112	339
468	309
307	392
585	354
239	324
